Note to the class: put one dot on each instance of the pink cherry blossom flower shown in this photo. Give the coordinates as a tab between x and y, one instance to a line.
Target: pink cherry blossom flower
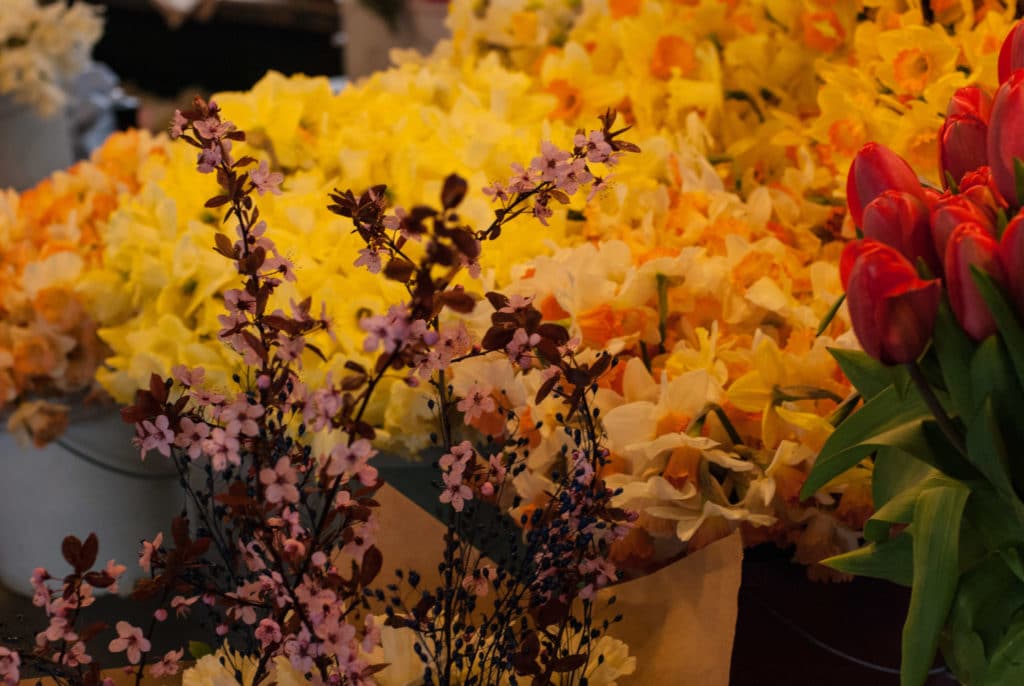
455	492
154	435
76	655
10	661
336	637
188	377
169	664
279	482
265	180
268	633
191	436
160	614
478	583
290	349
520	348
178	124
551	163
148	549
182	605
478	402
209	159
222	448
130	640
369	258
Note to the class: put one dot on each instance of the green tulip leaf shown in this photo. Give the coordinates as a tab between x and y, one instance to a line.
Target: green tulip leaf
986	599
1006	320
883	421
900	509
998	525
869	376
892	560
937	516
896	471
1007	663
964	652
987	451
954	349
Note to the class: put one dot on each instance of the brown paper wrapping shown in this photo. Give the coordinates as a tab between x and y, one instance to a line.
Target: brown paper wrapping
680	621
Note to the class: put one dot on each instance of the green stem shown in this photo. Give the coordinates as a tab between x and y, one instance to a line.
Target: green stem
931	400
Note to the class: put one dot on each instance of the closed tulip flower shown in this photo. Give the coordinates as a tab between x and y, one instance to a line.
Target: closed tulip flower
892	309
970	101
962	141
1011	258
972	246
874	170
901	220
1006	136
1011	54
951	212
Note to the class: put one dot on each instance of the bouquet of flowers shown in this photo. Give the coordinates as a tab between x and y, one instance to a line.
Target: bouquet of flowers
935	297
42	46
280	549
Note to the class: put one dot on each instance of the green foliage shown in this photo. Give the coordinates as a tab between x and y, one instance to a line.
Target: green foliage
948	474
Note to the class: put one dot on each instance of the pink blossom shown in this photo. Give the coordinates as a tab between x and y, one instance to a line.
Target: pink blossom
168	665
521	346
318	559
336	636
300	651
148	549
178	124
478	402
9	663
523	180
268	633
290	349
131	640
222	449
182	605
212	128
541	210
160	614
265	180
365	535
209	159
191	436
279	264
238	300
550	165
58	630
76	655
156	435
498	191
294	548
241	415
188	377
458	458
353	460
386	331
279	482
497	468
369	258
455	492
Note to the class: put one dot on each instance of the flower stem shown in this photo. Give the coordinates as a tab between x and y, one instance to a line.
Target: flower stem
931	400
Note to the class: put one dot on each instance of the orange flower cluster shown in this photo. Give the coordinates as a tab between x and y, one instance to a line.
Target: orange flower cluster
48	236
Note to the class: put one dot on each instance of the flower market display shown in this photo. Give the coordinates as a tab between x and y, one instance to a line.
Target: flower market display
616	356
934	295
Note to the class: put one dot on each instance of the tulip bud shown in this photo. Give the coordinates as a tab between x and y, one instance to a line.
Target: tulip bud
971	246
951	212
1006	136
891	308
1011	258
900	220
874	170
853	252
962	141
970	101
1011	54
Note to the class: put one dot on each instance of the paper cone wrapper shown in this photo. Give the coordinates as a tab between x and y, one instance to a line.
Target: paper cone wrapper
680	621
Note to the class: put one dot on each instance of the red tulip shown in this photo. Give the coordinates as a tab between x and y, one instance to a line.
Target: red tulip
971	246
970	101
877	169
1006	135
1011	257
900	219
951	212
962	141
891	308
1011	54
853	252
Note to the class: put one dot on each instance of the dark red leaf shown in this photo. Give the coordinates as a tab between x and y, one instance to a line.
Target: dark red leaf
71	549
217	201
399	269
453	192
497	300
87	555
373	560
158	388
569	663
99	579
223	245
556	333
